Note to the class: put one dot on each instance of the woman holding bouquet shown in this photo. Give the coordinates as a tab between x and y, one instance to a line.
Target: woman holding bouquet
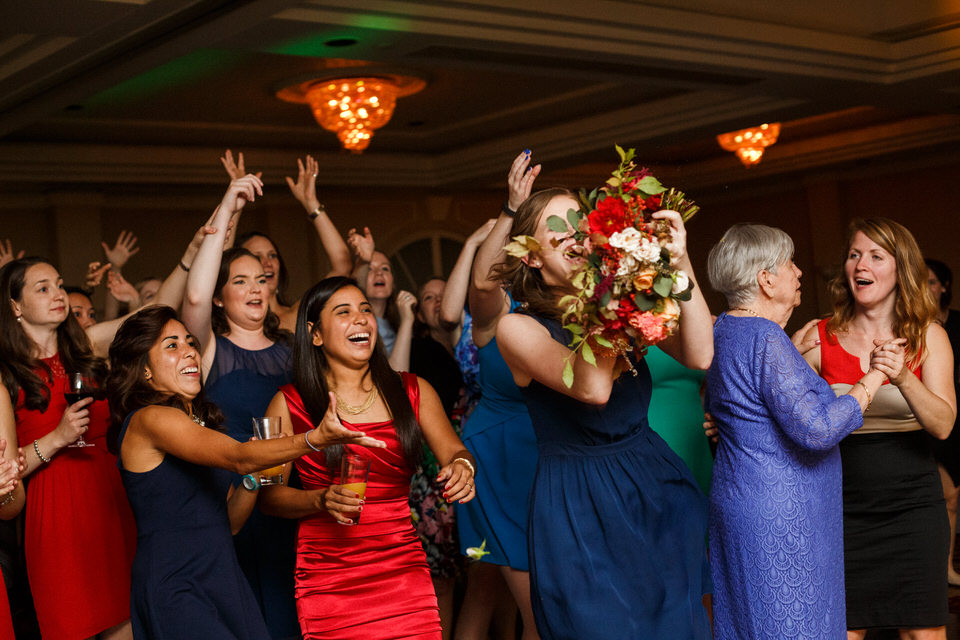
610	498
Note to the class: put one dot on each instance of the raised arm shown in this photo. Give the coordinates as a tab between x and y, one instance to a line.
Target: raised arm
118	255
487	301
202	278
692	345
532	354
6	252
400	354
455	293
304	189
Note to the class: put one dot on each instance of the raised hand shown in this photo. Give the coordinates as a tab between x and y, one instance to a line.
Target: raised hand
520	180
678	235
6	253
331	431
362	246
889	357
480	234
122	290
406	302
95	273
304	189
235	169
241	191
120	253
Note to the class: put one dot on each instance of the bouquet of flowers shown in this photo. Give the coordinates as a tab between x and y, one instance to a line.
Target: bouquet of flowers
628	286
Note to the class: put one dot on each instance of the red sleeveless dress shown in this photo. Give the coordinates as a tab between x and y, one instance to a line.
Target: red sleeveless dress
80	536
370	580
6	622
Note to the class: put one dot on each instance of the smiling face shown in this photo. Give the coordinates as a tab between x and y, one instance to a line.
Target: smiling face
269	259
82	309
43	302
870	270
431	295
379	277
174	362
244	295
347	328
560	254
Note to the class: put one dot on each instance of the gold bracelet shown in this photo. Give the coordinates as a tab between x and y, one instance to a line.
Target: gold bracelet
866	391
36	448
473	472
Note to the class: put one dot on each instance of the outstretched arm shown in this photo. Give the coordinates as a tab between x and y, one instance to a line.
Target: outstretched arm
304	189
118	255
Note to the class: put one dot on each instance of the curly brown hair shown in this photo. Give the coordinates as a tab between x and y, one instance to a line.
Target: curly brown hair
525	283
915	307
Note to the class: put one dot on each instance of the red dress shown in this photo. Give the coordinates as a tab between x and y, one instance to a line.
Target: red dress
79	535
6	622
369	580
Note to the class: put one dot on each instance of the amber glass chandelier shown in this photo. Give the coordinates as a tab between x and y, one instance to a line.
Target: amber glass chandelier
353	106
749	144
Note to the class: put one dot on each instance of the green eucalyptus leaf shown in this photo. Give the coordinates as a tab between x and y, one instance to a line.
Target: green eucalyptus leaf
621	152
588	354
556	223
651	185
644	302
573	217
603	342
573	328
568	375
662	286
605	298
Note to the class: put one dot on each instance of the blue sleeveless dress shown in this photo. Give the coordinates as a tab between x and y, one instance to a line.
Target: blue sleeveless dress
500	436
186	582
242	383
617	522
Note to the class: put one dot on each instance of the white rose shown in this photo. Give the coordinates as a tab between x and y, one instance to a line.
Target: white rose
627	266
628	239
680	282
648	251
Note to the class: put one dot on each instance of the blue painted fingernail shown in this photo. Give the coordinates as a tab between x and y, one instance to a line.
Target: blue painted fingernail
526	151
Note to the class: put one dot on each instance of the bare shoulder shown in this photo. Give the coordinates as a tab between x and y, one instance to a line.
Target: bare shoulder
517	326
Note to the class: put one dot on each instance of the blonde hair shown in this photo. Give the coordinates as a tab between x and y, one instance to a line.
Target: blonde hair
915	307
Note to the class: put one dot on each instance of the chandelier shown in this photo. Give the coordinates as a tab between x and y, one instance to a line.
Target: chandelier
749	144
353	106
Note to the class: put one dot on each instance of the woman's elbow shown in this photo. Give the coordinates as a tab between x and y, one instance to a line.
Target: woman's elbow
944	432
597	395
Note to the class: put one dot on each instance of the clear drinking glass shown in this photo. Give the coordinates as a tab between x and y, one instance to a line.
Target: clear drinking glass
267	428
354	471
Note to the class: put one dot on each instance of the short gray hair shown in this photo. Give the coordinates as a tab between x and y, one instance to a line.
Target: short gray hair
744	251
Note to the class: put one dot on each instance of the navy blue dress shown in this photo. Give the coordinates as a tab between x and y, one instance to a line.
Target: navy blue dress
617	522
186	582
242	383
776	502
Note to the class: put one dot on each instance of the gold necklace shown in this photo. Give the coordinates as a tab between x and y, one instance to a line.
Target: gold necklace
745	310
352	410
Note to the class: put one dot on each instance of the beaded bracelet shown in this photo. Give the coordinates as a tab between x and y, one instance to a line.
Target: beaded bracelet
8	499
36	448
473	472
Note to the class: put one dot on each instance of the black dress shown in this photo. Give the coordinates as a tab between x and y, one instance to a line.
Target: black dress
186	581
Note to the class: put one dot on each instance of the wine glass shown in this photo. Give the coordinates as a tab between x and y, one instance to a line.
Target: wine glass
77	387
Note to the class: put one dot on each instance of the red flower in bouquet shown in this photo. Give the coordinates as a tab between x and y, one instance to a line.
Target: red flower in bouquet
610	216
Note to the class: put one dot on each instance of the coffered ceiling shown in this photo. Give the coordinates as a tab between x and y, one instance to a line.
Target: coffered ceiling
152	91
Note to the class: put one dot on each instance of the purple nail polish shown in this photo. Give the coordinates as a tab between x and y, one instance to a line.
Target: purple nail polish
526	151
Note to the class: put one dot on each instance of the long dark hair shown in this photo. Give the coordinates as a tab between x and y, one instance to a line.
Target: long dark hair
282	277
19	364
525	283
127	386
218	317
310	369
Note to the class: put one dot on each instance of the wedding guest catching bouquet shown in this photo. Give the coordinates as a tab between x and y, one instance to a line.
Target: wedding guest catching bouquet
627	287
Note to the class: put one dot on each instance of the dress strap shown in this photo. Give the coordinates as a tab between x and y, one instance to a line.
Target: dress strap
412	386
298	413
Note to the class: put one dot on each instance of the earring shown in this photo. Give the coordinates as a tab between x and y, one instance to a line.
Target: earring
146	374
20	319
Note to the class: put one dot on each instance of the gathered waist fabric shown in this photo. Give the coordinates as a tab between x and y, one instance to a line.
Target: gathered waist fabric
631	441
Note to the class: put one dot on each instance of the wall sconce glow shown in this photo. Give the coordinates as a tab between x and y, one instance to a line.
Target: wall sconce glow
749	144
353	107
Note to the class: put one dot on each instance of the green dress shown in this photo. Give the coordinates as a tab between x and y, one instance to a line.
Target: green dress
676	413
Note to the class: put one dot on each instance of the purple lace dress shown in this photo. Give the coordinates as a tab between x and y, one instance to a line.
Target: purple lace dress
776	501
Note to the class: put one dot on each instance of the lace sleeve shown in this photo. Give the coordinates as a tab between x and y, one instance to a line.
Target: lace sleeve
802	403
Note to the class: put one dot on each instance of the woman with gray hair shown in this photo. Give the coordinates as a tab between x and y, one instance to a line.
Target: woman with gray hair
776	537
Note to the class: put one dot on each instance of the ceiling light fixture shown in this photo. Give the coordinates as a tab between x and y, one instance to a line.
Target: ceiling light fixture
749	144
353	106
